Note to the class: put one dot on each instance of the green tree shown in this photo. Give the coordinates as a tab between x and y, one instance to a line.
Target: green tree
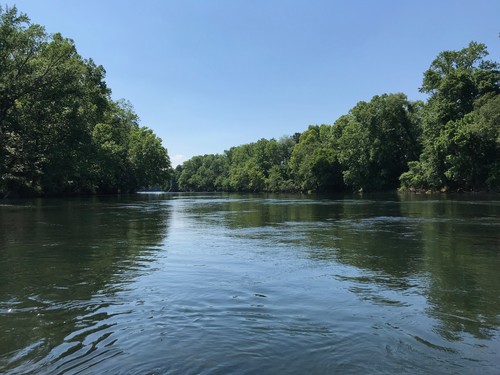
377	139
278	177
257	166
459	83
49	99
471	148
250	165
128	157
148	160
111	141
204	173
314	164
60	132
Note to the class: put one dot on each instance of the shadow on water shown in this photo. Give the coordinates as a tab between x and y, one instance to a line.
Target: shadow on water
62	265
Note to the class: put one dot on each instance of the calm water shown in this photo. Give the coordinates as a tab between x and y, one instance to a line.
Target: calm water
262	284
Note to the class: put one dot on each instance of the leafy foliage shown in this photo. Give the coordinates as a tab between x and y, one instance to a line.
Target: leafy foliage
60	132
450	142
259	166
314	163
204	173
377	141
460	123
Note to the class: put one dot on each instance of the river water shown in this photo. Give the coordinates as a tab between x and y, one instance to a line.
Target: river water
250	284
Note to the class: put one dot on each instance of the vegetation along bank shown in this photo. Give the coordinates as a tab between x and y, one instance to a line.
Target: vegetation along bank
61	133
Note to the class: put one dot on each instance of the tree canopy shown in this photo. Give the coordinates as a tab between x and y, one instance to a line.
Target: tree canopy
451	141
377	141
460	123
60	131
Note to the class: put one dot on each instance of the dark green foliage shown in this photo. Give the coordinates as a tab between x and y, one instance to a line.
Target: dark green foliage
60	133
203	173
450	142
467	152
314	163
128	157
259	166
456	79
460	123
377	140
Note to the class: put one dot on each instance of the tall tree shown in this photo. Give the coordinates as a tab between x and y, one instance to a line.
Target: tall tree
376	141
49	98
149	164
314	161
458	82
59	130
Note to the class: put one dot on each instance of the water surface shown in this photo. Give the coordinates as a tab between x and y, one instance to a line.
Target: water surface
245	284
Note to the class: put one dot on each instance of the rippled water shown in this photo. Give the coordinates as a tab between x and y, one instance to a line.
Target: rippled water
217	284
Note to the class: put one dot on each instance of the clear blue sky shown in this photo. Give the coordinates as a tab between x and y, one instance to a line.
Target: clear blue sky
206	75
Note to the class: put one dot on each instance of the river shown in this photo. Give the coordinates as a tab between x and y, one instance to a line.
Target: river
250	284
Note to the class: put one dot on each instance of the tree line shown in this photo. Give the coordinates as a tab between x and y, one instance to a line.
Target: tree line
449	142
60	131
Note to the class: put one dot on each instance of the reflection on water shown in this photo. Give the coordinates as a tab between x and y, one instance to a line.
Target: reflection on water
213	283
61	261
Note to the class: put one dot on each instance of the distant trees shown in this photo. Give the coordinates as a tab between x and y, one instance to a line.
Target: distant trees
60	133
259	166
452	141
204	173
367	149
